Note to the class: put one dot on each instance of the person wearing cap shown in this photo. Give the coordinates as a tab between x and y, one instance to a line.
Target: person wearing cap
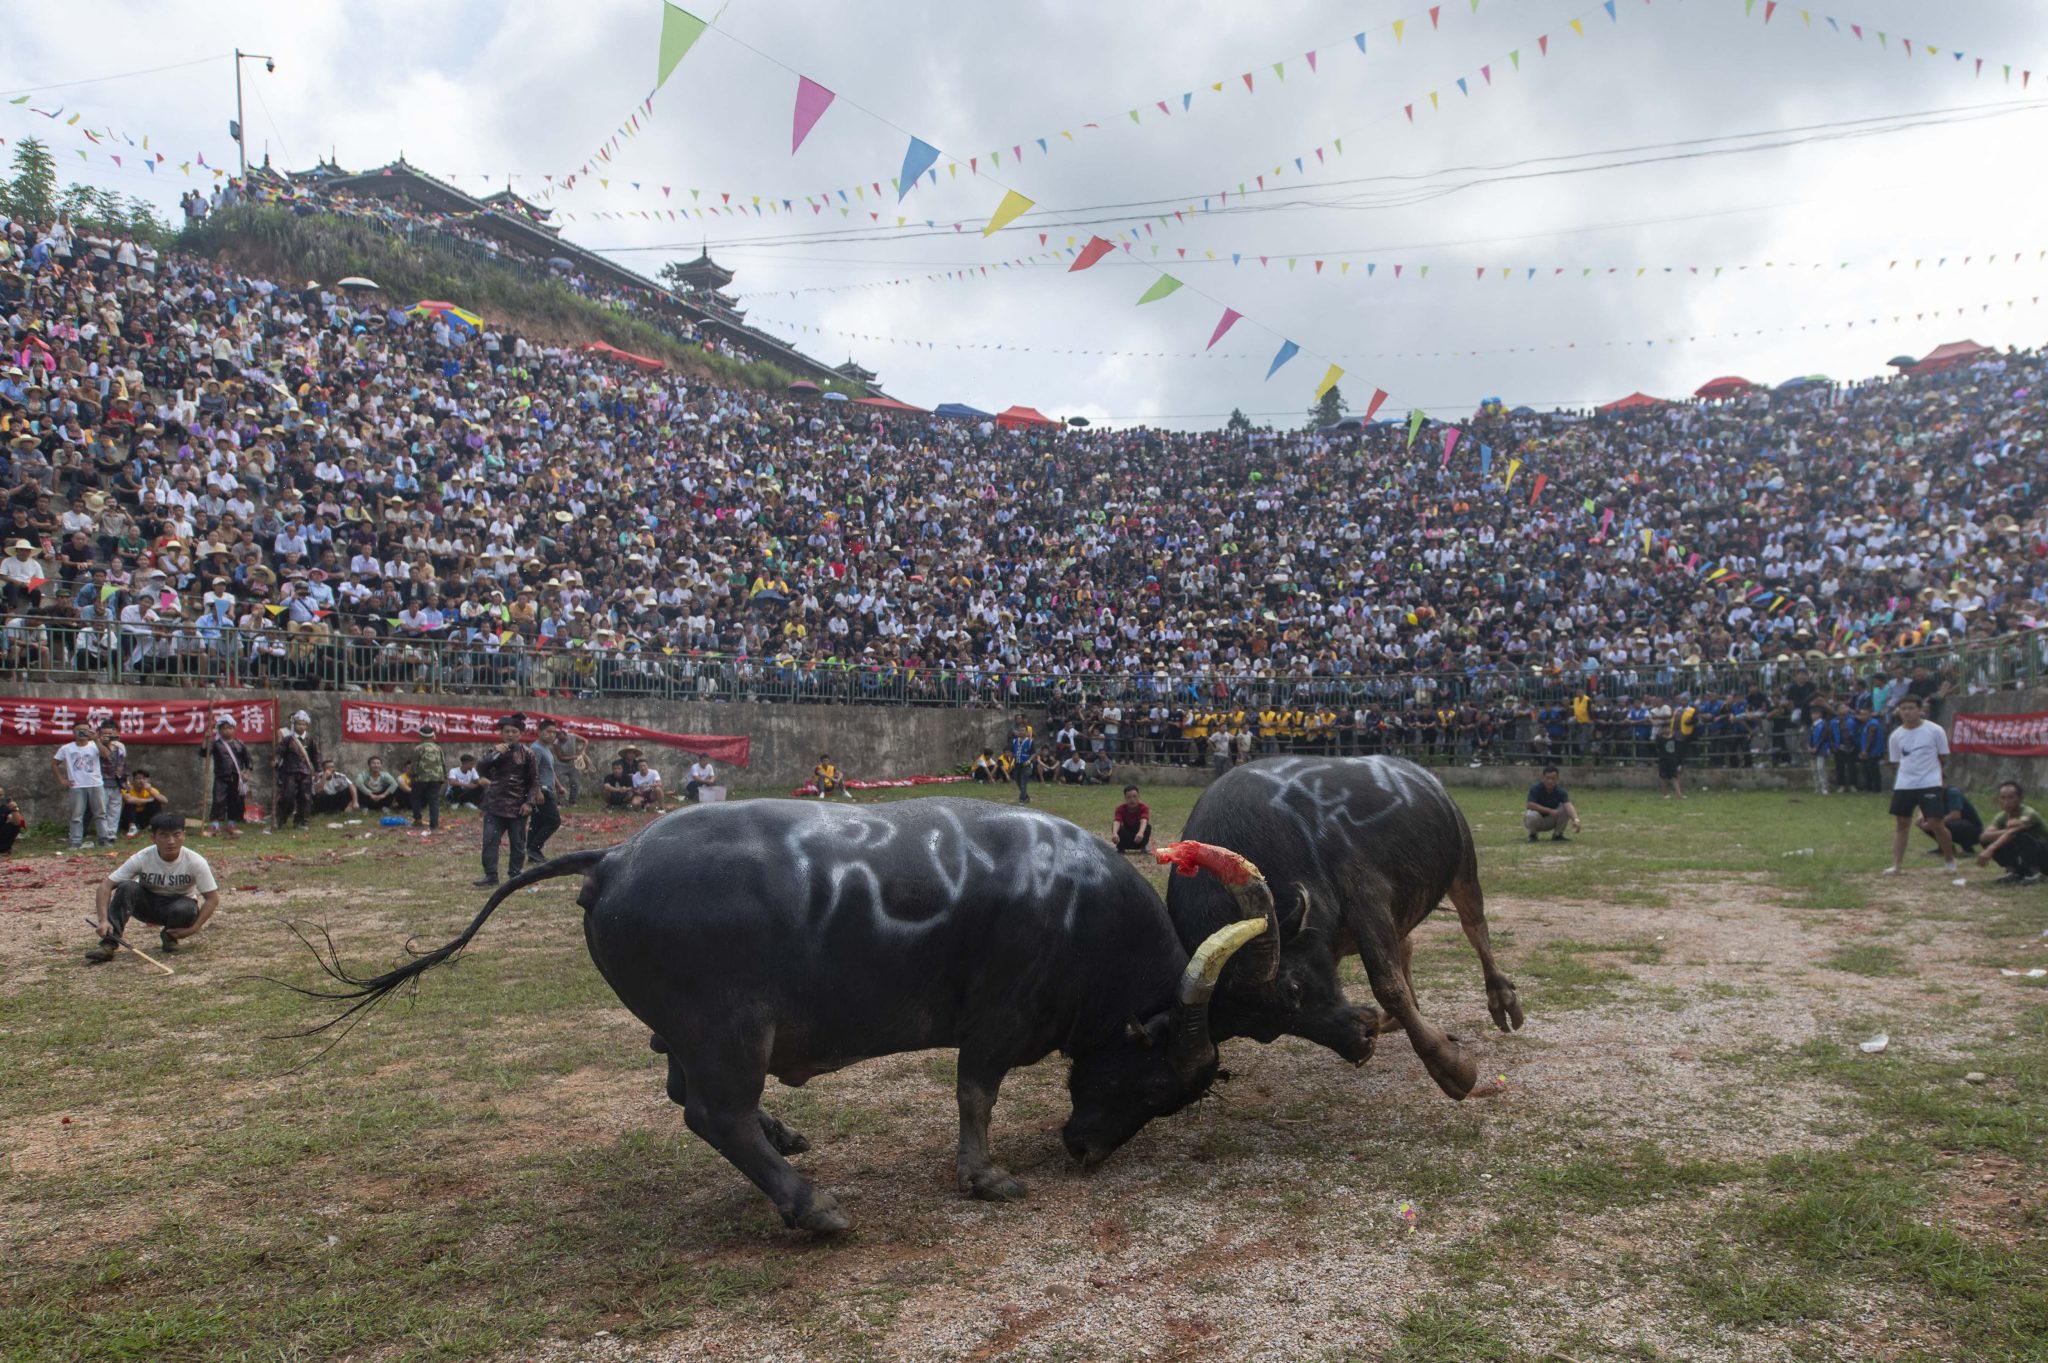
426	771
514	791
297	758
229	758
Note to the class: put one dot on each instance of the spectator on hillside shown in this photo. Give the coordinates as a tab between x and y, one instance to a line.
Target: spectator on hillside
1547	808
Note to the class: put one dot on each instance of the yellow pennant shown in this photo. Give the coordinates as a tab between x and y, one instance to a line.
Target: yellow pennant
1330	377
1008	211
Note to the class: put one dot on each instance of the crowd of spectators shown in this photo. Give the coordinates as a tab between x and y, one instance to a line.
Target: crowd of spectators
208	474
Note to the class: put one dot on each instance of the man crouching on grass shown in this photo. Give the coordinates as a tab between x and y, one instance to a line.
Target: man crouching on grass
167	885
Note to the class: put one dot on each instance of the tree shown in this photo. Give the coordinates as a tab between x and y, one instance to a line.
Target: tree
32	194
1239	423
1329	408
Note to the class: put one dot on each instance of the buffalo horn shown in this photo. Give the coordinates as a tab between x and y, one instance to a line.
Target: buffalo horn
1189	1044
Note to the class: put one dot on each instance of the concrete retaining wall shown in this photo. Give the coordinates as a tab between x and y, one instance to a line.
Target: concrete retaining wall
865	741
1977	773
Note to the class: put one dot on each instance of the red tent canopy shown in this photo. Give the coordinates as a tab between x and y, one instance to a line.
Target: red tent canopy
1012	418
1725	387
890	405
1955	352
1631	402
644	361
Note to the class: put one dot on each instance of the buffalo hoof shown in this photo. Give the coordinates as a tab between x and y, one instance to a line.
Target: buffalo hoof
821	1217
1453	1068
991	1185
785	1141
1505	1007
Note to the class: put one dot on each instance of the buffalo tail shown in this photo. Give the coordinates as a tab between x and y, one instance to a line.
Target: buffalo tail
363	994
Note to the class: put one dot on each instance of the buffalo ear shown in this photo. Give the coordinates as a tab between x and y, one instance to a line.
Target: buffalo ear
1136	1031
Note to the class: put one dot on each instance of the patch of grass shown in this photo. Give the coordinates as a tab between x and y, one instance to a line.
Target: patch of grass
1730	1289
1439	1329
1623	1178
1867	958
1570	973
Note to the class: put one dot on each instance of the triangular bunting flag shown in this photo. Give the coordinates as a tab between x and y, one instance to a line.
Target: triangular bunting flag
680	29
1230	316
1165	285
1288	350
1012	206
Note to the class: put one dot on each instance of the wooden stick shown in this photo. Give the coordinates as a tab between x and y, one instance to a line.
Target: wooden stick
92	923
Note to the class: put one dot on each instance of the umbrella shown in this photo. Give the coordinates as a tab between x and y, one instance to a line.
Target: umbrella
836	397
461	318
1077	421
1902	361
356	281
1632	402
1725	387
561	262
803	387
1522	411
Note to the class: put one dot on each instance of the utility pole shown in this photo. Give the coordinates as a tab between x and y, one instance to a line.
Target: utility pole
238	129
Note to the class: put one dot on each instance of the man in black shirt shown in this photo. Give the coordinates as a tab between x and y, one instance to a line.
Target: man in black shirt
1548	809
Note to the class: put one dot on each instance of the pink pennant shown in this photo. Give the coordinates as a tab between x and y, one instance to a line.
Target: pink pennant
1543	43
1247	80
812	99
1409	109
1311	62
1230	316
1450	443
1434	12
1487	72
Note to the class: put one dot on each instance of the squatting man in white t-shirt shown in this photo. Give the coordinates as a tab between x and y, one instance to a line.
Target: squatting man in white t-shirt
165	885
1920	751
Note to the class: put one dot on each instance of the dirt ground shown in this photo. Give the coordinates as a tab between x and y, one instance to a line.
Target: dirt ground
1632	1135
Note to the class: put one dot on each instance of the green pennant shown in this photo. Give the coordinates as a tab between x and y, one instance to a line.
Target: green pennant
680	30
1166	284
1414	425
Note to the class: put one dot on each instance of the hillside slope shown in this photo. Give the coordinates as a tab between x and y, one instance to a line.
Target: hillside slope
271	241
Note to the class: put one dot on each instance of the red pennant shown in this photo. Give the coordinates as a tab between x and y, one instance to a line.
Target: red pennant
1379	395
1543	43
1095	250
1434	11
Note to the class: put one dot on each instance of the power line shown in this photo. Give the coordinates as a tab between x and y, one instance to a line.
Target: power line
1416	187
119	75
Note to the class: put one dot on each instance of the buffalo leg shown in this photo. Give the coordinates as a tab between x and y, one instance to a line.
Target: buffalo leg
1500	990
1441	1054
723	1106
785	1141
979	1175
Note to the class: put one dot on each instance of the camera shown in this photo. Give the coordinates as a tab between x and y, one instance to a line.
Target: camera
270	64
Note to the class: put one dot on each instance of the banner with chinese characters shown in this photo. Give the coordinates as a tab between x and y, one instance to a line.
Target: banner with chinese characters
374	721
31	720
2000	735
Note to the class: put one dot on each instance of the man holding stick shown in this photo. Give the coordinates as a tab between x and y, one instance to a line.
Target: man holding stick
165	885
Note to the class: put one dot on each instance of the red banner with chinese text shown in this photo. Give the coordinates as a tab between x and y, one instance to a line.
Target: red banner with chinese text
2000	735
376	721
29	720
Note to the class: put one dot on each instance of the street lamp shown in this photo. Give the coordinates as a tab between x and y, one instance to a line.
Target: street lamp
235	128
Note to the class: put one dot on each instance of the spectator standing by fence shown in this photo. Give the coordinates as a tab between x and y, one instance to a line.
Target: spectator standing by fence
76	767
1021	749
1920	751
510	798
427	770
297	758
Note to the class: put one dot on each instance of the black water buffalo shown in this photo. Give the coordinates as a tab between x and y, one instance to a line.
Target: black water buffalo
1356	852
791	938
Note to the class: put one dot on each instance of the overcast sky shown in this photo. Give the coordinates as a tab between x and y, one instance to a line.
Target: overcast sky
530	88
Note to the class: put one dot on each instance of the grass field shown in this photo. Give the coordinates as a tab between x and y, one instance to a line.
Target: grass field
1683	1155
